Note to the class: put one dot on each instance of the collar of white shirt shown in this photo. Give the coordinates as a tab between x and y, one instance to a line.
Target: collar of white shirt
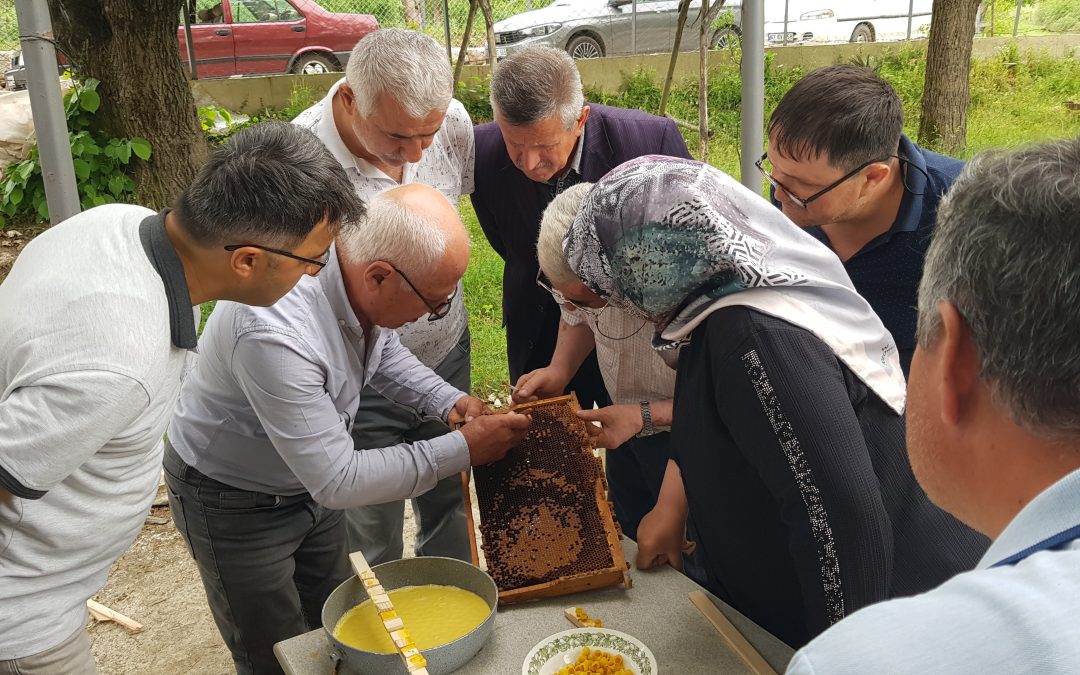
332	139
1053	510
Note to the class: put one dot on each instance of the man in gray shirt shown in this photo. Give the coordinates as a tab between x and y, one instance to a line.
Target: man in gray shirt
96	331
260	456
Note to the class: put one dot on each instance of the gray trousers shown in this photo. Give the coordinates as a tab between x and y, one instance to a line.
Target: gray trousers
267	562
70	657
442	528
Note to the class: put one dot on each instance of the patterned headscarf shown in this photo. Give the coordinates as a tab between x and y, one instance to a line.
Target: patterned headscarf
672	240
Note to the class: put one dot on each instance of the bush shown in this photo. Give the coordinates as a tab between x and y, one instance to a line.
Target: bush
1061	16
102	164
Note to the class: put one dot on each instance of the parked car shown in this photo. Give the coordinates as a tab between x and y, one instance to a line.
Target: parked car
594	28
258	37
589	29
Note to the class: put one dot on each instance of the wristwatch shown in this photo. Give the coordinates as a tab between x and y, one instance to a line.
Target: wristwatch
647	428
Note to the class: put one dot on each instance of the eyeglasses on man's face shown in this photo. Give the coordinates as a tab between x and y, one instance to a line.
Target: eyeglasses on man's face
434	313
320	262
820	193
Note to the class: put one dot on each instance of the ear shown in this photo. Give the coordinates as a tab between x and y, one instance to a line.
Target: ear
348	97
876	175
958	366
583	117
375	274
245	261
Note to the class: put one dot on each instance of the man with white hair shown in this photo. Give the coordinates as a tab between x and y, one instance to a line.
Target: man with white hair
544	139
392	120
260	458
993	431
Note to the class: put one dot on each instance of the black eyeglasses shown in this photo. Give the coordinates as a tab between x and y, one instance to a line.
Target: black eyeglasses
434	313
320	263
820	193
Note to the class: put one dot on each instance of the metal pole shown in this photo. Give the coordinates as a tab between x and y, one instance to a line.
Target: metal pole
993	6
423	15
633	27
753	92
1016	22
910	11
786	7
446	29
47	107
703	82
189	8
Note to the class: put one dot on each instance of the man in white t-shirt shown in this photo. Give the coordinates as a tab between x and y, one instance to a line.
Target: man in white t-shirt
390	121
97	325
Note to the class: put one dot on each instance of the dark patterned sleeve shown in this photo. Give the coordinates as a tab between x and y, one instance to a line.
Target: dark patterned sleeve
783	397
673	144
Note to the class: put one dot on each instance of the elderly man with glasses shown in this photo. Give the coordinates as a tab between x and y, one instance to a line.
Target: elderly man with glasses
839	165
260	459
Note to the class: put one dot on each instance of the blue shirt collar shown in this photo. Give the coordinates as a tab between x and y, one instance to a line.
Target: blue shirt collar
910	214
333	284
1053	510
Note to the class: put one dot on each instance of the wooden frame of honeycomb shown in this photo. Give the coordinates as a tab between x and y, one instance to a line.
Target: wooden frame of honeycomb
545	520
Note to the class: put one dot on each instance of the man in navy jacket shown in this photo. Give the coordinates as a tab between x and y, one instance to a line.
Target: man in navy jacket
543	140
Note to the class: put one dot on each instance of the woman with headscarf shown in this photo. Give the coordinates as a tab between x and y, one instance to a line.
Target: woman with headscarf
788	435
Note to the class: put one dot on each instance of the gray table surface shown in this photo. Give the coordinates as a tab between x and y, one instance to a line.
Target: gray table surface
656	611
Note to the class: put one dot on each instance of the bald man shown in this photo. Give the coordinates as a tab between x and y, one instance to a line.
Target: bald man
260	457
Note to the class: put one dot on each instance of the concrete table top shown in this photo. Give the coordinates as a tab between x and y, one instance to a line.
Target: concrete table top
656	611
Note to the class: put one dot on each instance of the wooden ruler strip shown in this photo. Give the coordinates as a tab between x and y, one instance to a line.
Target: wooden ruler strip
410	655
734	639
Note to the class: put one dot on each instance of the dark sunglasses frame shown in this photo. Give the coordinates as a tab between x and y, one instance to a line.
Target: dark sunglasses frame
434	313
820	193
311	261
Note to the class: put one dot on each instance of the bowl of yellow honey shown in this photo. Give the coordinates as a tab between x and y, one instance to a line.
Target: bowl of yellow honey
448	608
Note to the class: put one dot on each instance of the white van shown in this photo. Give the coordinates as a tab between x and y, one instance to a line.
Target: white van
825	21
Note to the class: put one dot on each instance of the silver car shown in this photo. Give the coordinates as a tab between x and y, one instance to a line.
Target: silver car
589	29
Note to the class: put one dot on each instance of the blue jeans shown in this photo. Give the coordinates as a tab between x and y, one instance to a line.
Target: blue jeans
267	562
442	528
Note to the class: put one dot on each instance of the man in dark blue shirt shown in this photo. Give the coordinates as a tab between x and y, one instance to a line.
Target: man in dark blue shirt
840	166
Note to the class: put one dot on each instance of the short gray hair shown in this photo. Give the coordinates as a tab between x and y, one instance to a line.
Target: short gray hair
536	83
407	64
1006	254
393	233
558	217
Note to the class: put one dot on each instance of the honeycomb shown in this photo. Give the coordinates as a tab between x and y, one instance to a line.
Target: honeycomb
544	514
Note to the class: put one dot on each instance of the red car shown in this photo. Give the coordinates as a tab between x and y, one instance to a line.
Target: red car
257	37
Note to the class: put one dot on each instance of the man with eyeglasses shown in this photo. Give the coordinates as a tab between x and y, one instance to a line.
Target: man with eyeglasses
392	120
98	322
839	165
260	459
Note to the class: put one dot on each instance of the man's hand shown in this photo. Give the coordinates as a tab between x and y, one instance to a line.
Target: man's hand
491	436
540	383
466	408
618	424
662	539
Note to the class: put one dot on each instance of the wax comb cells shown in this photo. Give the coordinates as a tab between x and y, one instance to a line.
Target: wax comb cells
546	523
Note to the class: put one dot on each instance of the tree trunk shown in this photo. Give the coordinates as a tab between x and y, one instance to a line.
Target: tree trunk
946	93
131	47
411	9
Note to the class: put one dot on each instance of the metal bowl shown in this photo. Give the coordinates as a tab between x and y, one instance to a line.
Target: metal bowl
412	572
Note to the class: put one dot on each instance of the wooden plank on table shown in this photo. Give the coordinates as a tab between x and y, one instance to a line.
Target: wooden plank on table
735	640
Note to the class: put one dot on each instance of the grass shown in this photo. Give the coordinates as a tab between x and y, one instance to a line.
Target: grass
483	297
9	26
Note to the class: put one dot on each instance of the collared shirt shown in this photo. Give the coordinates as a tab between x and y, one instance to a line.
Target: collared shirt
447	166
94	340
268	407
555	185
887	270
1012	619
632	370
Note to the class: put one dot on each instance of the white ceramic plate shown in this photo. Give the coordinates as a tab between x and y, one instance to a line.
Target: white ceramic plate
562	649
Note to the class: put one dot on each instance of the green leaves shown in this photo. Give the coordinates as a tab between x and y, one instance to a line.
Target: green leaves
102	164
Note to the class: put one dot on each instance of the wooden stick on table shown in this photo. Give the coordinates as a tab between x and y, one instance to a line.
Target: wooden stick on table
410	655
469	518
742	648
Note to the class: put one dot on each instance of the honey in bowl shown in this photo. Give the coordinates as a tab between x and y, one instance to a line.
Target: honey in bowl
434	615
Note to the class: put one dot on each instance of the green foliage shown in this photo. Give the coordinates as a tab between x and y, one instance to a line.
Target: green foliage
483	297
475	97
211	115
102	164
1060	16
9	26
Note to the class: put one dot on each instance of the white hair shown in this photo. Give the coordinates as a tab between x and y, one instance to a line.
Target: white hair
535	83
407	64
558	217
410	241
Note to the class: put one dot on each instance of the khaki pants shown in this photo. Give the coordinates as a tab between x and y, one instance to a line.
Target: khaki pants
70	657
